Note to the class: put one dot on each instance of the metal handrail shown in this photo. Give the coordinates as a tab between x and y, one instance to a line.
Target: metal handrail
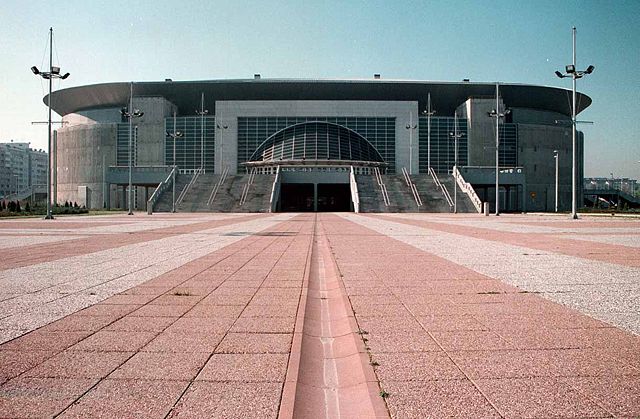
439	184
412	187
217	186
355	196
186	188
155	196
276	182
467	188
245	189
383	188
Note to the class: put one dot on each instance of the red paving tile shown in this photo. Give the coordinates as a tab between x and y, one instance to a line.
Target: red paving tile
128	398
207	399
40	397
539	397
444	340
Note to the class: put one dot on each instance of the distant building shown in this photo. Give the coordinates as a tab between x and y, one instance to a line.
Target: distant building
23	170
621	184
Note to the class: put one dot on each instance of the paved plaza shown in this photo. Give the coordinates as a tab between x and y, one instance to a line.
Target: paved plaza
320	315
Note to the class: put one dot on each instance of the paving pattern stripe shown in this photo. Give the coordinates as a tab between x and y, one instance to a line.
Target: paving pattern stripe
63	287
46	252
583	284
272	249
430	372
604	252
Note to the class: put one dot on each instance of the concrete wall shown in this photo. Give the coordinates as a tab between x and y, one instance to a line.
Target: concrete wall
82	153
93	116
227	113
482	130
535	154
151	132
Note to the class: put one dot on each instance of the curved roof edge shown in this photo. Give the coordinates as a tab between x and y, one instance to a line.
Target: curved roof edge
445	96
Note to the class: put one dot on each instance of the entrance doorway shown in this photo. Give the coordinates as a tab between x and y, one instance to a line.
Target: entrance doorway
334	197
296	197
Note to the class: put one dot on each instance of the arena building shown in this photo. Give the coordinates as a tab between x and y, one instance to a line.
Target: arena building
279	145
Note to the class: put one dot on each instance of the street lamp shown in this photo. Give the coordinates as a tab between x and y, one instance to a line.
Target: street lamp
222	128
53	73
411	127
202	112
175	135
570	71
455	135
495	113
555	156
136	113
429	112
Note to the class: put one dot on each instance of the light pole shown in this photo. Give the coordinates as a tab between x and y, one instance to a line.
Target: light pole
53	73
411	127
202	112
495	113
130	114
455	135
175	135
555	156
222	128
429	112
570	71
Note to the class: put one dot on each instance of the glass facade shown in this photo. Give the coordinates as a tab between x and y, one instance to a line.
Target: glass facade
380	132
442	144
316	141
508	151
190	147
122	145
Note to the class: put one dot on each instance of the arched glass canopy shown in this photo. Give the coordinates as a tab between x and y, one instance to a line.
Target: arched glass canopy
316	141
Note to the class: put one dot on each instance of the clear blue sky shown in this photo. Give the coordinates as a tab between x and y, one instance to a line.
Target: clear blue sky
508	41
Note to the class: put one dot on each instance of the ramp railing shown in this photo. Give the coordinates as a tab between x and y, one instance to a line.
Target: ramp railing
275	191
217	186
412	187
245	189
383	188
355	196
186	188
155	196
443	188
468	189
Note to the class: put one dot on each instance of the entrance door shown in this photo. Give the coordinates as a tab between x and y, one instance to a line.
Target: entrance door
296	197
334	197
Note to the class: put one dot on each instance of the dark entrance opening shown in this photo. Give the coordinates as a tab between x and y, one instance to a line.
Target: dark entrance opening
334	197
296	197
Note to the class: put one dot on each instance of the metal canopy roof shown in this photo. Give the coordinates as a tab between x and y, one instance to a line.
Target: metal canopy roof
445	96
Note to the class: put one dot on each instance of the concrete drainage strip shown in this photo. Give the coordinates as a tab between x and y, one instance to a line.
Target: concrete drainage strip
329	373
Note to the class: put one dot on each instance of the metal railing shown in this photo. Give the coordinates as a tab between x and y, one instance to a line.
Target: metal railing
355	196
412	187
155	196
383	188
275	188
217	186
468	189
186	188
245	189
439	184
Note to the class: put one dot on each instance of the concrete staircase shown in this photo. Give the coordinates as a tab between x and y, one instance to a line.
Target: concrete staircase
400	196
164	204
257	200
196	198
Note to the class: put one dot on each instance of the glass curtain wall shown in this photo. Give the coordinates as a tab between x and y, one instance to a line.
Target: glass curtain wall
442	144
189	147
380	132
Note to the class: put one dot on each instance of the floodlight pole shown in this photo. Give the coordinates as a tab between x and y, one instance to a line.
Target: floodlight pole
575	74
173	193
202	112
429	112
411	127
130	146
496	114
456	135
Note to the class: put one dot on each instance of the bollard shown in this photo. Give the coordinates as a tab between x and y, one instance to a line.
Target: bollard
485	207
